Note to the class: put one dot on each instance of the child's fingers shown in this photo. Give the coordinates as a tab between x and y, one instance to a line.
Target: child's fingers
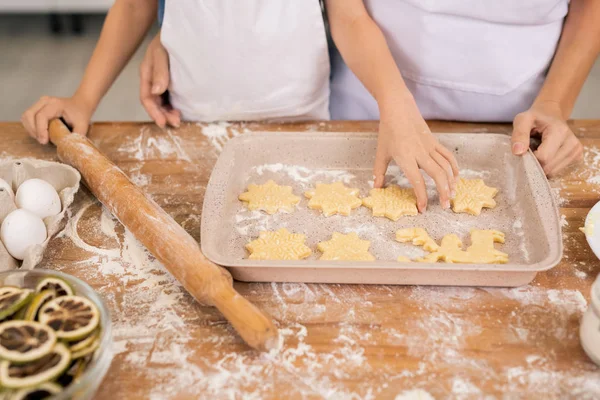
450	157
552	139
173	116
445	164
382	160
52	109
415	178
570	152
155	111
522	126
28	117
440	178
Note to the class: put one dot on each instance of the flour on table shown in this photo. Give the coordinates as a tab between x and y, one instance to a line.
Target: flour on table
152	144
151	318
415	394
220	133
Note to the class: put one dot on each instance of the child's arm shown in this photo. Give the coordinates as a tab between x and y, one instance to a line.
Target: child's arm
577	50
126	24
403	134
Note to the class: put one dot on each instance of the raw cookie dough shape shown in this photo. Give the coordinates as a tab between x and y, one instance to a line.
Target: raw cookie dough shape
481	250
278	245
345	247
392	202
418	237
333	198
404	259
472	195
450	251
270	197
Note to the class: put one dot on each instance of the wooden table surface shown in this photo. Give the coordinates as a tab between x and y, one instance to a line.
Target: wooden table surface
341	341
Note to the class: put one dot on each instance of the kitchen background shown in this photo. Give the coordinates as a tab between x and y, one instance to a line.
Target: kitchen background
45	46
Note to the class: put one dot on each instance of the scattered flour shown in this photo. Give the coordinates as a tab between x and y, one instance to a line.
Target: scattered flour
220	133
415	394
305	175
189	351
153	316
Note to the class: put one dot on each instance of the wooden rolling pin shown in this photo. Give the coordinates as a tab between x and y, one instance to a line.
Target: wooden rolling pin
163	237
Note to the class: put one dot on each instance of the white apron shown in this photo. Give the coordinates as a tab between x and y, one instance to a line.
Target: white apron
247	59
470	60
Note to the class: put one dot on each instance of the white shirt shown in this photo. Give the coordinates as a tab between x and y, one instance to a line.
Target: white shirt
247	59
470	60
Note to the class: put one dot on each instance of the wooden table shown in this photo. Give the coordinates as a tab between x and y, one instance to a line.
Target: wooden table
341	341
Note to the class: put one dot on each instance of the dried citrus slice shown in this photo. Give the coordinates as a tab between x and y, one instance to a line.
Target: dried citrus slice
37	302
72	317
61	287
85	342
24	341
86	350
39	392
47	368
12	299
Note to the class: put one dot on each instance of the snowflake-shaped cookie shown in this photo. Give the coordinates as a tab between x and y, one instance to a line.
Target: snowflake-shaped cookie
333	198
270	197
278	245
345	247
472	195
392	202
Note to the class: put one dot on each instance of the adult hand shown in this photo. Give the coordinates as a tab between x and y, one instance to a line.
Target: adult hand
74	110
154	81
405	137
560	147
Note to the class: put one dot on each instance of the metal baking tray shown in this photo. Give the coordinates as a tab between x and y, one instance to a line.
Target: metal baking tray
526	211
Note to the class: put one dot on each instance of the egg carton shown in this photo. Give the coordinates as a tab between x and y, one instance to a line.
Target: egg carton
66	181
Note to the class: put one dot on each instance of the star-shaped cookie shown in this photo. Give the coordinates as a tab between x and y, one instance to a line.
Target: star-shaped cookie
345	247
392	202
270	197
333	198
278	245
472	195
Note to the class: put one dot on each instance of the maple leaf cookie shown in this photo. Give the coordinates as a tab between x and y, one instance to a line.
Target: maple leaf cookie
278	245
270	197
333	198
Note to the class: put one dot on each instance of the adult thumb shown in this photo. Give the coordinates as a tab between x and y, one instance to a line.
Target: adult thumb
522	126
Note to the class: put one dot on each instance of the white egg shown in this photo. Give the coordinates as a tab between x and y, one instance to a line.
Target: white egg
6	186
39	197
20	230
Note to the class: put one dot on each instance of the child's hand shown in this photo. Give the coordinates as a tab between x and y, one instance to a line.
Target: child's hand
154	81
75	111
560	147
405	137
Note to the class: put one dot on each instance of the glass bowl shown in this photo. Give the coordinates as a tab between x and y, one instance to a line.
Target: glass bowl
93	376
